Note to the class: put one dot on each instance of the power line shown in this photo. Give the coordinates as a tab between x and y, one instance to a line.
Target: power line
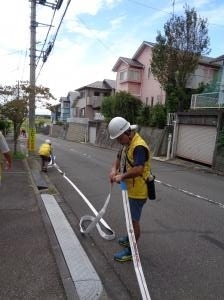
161	10
50	26
51	44
91	30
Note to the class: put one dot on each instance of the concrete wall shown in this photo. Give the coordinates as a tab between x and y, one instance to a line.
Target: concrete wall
76	132
156	138
57	131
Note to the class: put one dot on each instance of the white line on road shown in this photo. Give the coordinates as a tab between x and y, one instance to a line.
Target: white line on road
191	194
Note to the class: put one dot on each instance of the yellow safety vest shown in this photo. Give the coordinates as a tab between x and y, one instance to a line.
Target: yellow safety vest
45	149
136	187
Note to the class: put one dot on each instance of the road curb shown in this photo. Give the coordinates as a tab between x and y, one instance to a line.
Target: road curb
79	285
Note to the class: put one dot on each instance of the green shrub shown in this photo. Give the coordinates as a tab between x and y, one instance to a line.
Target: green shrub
19	155
4	125
145	116
158	116
121	104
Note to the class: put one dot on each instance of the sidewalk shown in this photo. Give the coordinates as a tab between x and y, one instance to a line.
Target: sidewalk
28	266
41	258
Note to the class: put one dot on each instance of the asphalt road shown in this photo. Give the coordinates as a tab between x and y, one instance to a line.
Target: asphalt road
181	246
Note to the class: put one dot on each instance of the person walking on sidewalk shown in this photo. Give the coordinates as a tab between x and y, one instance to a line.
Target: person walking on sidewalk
46	154
133	166
4	151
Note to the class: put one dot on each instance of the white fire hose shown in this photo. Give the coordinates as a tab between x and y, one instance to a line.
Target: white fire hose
133	244
94	221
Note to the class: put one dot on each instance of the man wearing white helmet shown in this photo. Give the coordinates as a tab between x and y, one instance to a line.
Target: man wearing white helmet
132	165
45	152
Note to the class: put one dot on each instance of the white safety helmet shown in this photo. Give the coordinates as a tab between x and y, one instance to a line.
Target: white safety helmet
48	142
117	126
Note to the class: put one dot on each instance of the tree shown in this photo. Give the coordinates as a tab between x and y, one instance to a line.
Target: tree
22	91
16	111
121	104
176	55
16	103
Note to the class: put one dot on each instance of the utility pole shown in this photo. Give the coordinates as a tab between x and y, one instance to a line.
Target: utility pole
33	26
32	129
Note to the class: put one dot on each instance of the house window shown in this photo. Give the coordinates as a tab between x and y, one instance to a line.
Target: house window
134	75
147	100
82	112
96	93
123	75
82	94
66	104
131	75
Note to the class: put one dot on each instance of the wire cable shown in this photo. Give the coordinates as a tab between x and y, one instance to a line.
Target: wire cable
51	44
50	26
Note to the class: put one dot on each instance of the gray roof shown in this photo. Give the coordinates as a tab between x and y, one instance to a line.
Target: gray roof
62	99
133	61
106	84
128	61
206	60
218	59
111	83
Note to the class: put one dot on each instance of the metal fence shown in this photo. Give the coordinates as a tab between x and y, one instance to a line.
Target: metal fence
171	117
207	100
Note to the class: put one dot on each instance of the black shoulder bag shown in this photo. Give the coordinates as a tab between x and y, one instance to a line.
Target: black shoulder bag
150	181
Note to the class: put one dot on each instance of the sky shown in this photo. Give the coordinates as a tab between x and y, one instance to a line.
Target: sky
92	35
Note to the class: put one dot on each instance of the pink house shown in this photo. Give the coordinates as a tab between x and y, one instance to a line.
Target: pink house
134	76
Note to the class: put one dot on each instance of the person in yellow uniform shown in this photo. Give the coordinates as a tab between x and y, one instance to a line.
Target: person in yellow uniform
46	153
133	166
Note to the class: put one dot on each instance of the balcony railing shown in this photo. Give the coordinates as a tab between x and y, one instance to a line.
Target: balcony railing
94	101
78	120
207	100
